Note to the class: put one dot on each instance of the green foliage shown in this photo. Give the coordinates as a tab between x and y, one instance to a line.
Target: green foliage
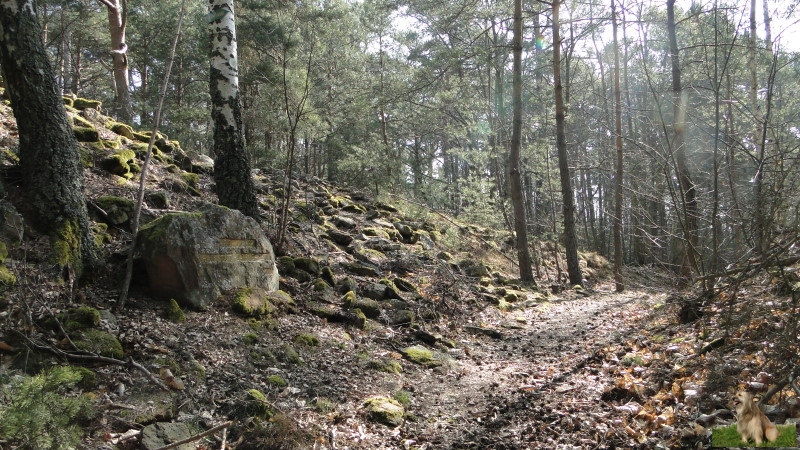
730	437
39	413
307	339
403	397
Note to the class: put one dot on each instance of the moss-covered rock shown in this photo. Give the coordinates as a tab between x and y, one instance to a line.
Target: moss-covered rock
86	134
309	265
277	381
158	200
386	365
82	103
285	265
79	121
174	313
385	410
80	318
257	405
122	129
192	179
252	302
376	232
355	208
348	300
100	342
420	355
327	274
119	163
119	210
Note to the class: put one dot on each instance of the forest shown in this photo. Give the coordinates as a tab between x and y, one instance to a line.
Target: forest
415	98
528	224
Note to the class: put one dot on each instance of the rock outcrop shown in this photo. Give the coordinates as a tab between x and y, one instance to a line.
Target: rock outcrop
196	257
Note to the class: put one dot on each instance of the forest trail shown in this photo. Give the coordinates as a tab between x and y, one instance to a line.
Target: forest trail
534	388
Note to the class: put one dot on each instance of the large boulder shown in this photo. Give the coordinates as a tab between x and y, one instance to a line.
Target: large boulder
195	257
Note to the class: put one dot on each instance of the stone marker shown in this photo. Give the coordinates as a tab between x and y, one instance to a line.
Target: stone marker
195	257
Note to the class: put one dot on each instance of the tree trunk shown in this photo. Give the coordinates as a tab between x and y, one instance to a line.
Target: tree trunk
51	167
234	183
618	281
116	27
515	178
570	237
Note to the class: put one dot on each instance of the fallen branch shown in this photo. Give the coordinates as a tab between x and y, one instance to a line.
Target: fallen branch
197	437
96	358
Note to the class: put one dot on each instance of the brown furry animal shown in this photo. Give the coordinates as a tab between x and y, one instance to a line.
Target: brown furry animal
752	423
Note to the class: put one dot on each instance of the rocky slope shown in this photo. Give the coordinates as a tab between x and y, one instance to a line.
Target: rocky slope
397	331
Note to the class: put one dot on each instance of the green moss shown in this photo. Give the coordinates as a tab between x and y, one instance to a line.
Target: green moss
353	207
256	404
324	405
100	342
112	144
66	242
7	278
3	251
192	179
252	302
285	265
361	319
386	365
349	299
321	285
308	264
328	276
68	101
289	355
250	338
79	121
80	318
385	410
420	355
119	210
277	380
9	156
82	103
172	168
141	137
307	339
121	129
174	312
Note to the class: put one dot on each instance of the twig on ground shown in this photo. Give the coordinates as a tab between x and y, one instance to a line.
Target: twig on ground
197	437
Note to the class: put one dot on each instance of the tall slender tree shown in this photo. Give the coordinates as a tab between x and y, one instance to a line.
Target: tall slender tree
618	172
235	187
520	225
51	169
568	200
688	193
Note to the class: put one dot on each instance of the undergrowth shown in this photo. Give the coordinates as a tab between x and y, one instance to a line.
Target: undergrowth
39	413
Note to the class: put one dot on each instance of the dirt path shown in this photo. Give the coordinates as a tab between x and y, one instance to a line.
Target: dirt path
531	389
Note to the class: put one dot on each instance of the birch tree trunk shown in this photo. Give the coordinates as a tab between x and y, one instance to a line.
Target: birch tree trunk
51	168
234	183
119	52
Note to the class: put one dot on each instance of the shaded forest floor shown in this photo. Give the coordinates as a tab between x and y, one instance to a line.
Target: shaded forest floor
536	369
